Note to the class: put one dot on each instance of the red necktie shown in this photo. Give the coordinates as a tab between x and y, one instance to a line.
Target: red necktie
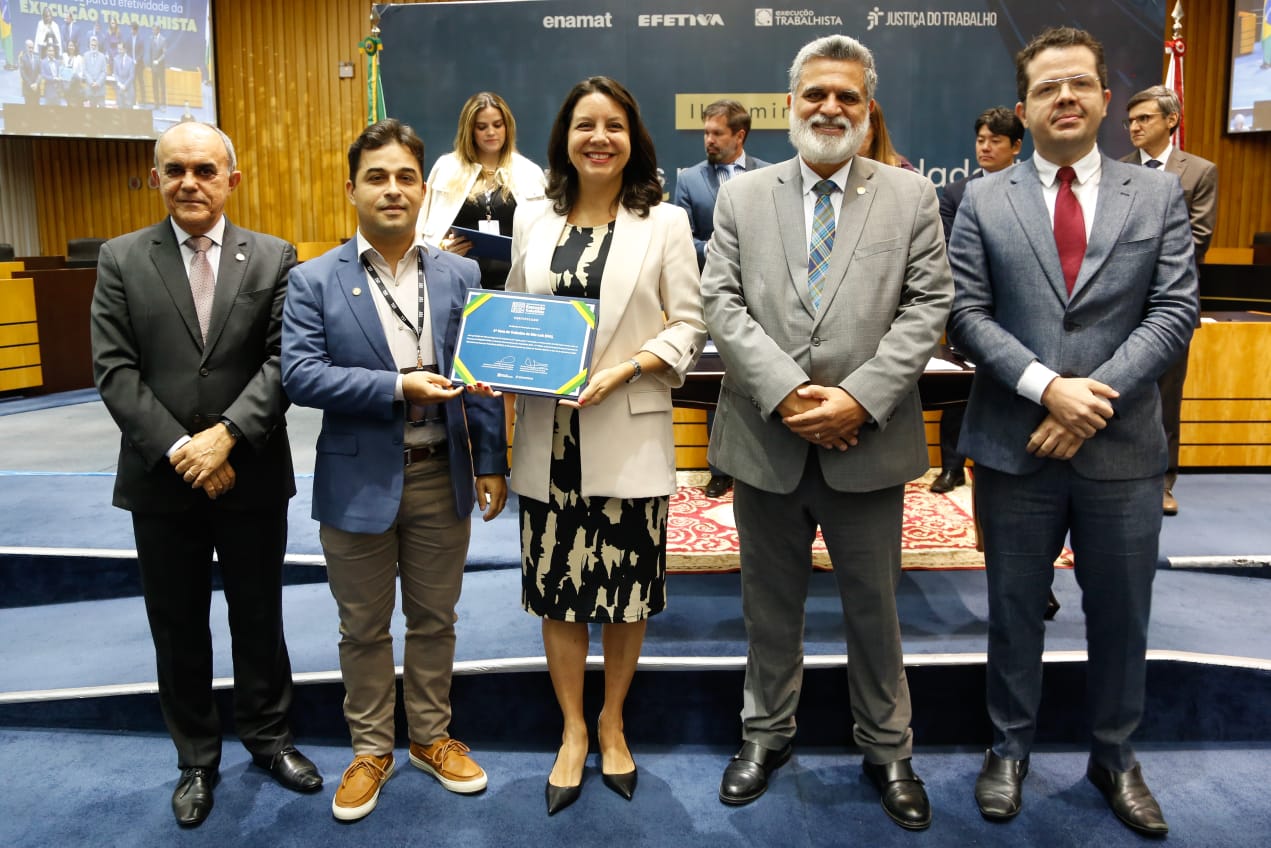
1070	228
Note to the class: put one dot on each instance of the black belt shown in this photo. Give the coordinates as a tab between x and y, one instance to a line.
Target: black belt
419	454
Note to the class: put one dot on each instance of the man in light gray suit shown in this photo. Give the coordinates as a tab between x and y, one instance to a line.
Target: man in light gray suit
1076	288
826	290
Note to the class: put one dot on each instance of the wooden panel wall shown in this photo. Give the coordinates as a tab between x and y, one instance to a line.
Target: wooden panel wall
292	120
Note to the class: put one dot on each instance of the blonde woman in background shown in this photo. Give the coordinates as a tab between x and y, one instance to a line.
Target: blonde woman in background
479	184
877	144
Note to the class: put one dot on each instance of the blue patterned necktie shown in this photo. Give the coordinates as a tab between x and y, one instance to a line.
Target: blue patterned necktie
723	173
1153	163
822	240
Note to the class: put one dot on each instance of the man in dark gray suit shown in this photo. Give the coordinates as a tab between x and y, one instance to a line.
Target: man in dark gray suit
826	290
1076	288
1153	115
187	332
726	127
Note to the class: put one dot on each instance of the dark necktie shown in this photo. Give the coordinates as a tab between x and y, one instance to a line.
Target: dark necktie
822	240
202	280
1070	228
1153	163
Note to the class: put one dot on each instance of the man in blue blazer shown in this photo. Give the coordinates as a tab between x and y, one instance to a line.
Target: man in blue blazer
1069	325
368	331
726	127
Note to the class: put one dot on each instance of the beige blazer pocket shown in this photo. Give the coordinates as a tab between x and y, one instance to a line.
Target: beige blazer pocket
642	402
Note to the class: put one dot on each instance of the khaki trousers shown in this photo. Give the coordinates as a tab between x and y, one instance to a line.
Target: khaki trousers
426	546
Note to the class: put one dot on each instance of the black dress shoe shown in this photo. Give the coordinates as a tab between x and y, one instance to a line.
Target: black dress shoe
624	784
949	479
1129	798
746	776
560	797
292	769
192	799
718	486
903	797
999	787
1052	608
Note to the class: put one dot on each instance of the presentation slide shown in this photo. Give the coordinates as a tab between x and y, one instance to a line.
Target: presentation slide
105	69
1250	106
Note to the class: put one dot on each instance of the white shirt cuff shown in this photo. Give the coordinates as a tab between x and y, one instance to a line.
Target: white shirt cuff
397	389
177	445
1033	382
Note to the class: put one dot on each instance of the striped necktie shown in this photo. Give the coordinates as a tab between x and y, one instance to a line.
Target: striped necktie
822	240
724	173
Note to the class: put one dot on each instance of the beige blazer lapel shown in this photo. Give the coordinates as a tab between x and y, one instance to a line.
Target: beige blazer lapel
631	237
541	243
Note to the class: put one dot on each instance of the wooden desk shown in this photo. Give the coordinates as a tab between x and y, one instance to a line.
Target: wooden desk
1226	419
62	301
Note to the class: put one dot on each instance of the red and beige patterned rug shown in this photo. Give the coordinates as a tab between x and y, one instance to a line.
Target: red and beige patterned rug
938	533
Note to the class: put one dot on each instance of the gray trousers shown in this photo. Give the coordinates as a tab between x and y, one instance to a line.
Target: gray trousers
862	534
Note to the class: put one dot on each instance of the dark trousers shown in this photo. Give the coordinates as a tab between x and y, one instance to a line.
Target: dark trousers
950	429
1171	387
1114	527
174	551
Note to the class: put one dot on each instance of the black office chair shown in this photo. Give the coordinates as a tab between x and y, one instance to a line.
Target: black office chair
82	252
6	253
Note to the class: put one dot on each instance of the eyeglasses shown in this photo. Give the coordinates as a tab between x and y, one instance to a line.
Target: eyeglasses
1082	85
1141	119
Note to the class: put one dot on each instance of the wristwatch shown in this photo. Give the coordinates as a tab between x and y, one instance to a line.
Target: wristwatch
638	370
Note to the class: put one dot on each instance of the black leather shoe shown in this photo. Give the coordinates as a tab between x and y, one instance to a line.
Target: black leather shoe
746	776
292	769
1129	798
949	479
999	787
904	799
718	486
1052	608
624	784
560	797
192	799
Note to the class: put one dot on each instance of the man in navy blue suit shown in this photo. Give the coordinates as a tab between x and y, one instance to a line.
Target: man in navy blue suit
727	124
1076	289
368	331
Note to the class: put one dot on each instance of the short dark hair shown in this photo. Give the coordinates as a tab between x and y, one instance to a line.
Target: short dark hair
1164	98
1053	38
381	134
1001	121
641	189
735	114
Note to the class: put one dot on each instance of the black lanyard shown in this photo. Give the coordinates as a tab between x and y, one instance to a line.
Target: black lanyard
392	304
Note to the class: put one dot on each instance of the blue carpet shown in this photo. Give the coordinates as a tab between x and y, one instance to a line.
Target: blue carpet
13	406
74	788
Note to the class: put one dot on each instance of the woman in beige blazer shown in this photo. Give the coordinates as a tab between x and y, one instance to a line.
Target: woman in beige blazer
595	477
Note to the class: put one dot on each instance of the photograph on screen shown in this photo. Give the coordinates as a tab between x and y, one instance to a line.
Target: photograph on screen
106	68
1249	109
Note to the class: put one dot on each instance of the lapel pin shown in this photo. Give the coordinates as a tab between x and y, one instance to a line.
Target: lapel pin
240	257
357	292
860	189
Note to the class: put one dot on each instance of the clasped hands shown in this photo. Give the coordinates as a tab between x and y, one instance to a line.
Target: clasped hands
827	416
1078	408
203	462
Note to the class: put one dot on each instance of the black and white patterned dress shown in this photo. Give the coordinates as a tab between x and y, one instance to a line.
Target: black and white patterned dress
587	559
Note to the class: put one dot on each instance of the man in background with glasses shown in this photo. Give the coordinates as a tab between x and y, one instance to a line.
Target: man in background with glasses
1154	114
1076	288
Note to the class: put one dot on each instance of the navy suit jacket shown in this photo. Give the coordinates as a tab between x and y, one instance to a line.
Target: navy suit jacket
1130	315
951	199
335	357
695	192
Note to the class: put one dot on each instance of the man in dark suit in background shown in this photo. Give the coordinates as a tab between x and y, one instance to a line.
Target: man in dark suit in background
157	52
186	333
1153	115
137	50
826	289
1075	289
998	137
369	332
727	125
29	68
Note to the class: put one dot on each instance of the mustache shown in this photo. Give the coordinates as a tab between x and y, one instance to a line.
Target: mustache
837	123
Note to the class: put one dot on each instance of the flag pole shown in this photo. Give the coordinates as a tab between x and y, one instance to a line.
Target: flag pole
372	47
1175	48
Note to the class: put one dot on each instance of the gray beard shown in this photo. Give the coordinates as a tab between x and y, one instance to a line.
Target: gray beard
825	150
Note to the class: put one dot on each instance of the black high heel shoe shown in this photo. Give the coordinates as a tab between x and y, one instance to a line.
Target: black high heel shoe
560	797
624	784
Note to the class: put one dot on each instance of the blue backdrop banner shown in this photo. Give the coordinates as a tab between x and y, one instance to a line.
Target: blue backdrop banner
940	63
